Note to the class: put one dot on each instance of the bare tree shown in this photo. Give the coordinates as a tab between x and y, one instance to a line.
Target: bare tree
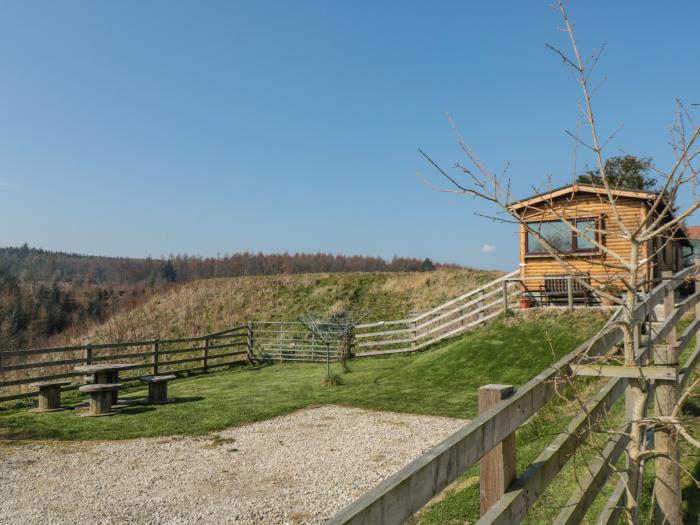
625	270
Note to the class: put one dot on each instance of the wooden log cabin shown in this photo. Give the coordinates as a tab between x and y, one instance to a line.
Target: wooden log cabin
544	278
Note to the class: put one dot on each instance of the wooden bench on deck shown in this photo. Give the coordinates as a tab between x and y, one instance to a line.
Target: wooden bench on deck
555	290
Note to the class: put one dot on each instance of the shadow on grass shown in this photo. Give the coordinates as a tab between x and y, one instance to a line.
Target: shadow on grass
177	401
691	494
692	409
11	406
134	410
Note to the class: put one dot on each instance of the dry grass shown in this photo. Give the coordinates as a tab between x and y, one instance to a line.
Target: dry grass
214	304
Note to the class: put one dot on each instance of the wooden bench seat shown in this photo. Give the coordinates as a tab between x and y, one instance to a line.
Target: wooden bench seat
100	398
49	395
555	290
158	388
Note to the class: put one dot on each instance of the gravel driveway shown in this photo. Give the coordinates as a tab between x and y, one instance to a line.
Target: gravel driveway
299	468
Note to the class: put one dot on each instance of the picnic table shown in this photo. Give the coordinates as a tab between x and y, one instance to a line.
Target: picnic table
105	373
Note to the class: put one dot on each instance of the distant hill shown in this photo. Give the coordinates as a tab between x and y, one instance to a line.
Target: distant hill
214	304
44	294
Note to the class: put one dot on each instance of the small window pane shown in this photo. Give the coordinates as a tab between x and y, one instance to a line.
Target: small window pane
557	233
588	228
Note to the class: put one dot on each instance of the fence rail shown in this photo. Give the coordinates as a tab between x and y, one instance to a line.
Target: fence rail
401	495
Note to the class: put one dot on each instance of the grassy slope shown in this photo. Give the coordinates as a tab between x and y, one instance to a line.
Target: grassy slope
214	304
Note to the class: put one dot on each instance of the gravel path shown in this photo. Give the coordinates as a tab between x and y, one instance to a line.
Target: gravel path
296	469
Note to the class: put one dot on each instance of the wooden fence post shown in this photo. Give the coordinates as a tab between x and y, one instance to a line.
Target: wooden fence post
667	486
351	342
634	468
205	357
505	295
88	354
249	341
480	304
570	292
414	334
498	465
347	343
156	346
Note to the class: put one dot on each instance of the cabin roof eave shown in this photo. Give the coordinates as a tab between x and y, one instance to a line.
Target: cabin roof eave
579	188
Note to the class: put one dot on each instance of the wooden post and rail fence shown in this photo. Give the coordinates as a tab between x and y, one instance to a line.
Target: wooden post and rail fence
450	319
266	340
225	348
506	496
251	342
461	315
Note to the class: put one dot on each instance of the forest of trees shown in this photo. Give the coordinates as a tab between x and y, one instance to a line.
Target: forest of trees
43	293
35	265
32	312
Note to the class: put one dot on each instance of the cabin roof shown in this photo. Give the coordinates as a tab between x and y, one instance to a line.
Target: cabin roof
681	233
571	189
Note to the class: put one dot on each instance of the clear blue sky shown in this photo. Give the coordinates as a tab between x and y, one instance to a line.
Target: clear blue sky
148	128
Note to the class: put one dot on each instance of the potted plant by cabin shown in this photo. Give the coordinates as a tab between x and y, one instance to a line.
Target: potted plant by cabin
608	289
526	302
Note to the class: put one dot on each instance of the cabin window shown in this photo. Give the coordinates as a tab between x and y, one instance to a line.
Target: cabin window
562	237
585	243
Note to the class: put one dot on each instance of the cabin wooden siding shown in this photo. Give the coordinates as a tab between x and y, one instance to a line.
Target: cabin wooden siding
599	265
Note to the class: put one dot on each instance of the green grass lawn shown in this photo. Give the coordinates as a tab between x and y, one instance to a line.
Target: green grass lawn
440	382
